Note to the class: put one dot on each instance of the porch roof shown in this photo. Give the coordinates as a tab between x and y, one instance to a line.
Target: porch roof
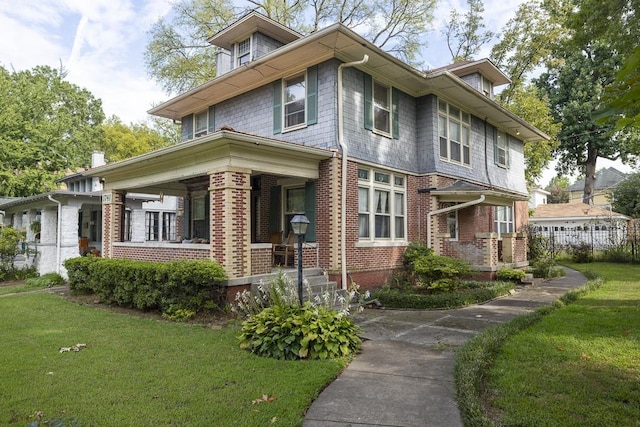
42	200
338	41
168	170
461	191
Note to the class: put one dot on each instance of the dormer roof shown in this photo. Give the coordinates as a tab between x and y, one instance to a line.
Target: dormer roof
482	66
249	24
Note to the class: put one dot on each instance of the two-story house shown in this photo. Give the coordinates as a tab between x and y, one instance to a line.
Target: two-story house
374	152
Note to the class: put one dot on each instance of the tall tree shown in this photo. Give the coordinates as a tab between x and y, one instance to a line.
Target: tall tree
530	104
625	197
575	89
465	33
528	40
122	141
47	126
179	57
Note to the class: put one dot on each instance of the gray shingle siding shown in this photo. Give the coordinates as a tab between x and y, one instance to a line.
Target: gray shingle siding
415	151
263	44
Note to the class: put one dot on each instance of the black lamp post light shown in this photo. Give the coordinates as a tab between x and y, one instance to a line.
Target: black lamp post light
299	225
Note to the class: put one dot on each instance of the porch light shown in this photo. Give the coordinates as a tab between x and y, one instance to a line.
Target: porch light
299	225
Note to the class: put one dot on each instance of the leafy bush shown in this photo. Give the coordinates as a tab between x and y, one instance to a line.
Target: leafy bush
293	332
441	273
510	274
172	287
10	239
546	268
415	251
392	297
581	252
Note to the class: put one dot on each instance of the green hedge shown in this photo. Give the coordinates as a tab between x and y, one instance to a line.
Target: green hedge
144	285
391	297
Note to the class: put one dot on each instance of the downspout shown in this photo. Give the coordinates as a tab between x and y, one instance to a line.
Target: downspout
58	233
343	146
449	209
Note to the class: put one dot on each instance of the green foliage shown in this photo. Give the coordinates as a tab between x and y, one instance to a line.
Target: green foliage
546	267
436	272
178	314
512	274
404	298
413	252
47	126
293	332
123	141
48	280
177	286
10	239
626	196
581	252
558	189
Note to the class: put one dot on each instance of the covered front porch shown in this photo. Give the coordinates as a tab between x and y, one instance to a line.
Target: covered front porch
237	192
483	226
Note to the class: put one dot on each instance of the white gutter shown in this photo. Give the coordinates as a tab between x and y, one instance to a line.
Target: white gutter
58	233
343	146
449	209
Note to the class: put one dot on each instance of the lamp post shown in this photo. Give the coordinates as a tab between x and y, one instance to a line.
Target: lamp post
299	225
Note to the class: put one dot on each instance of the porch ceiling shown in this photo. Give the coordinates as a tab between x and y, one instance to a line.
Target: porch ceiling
167	170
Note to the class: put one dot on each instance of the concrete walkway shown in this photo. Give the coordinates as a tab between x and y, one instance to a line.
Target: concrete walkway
404	375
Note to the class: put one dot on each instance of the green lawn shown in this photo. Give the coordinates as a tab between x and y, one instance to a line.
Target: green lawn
17	287
138	372
579	365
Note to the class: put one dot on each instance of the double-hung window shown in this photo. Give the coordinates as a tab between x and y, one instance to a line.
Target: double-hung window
201	123
243	52
381	108
160	226
151	223
454	130
501	149
381	205
503	220
295	100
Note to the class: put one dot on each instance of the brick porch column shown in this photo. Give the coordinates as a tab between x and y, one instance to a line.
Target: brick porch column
112	218
488	243
230	219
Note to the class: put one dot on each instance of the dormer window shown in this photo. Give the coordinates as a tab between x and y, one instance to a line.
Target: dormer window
487	87
243	53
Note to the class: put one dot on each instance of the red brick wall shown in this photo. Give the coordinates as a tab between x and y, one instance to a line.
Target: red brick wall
161	254
328	210
260	261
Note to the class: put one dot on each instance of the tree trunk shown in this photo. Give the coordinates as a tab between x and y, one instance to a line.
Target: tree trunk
589	176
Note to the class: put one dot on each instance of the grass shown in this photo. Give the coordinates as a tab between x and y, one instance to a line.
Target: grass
575	364
21	286
141	372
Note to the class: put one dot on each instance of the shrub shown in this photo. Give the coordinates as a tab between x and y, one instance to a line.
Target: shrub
293	332
580	252
546	268
510	274
391	297
10	239
415	251
441	273
178	286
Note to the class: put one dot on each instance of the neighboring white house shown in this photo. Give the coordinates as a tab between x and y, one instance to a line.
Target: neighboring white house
575	223
64	224
538	196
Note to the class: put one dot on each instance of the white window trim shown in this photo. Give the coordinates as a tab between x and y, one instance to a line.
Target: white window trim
302	125
196	133
453	213
160	227
510	221
496	147
372	185
237	51
448	118
375	106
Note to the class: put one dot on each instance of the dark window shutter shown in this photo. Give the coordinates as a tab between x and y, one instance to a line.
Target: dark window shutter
187	128
212	119
395	113
368	102
277	107
274	210
312	96
310	210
